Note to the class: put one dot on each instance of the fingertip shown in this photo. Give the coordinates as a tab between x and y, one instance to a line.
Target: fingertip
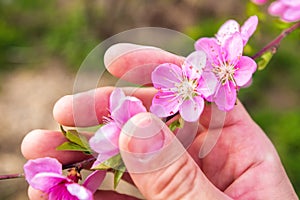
135	63
28	141
34	194
63	110
143	132
117	50
43	143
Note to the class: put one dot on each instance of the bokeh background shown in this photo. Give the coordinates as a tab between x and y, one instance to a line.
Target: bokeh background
43	43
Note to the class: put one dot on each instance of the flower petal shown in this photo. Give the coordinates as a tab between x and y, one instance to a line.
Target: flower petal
115	98
129	107
60	192
234	48
259	2
292	14
212	49
191	109
245	68
79	191
166	75
277	8
94	180
44	181
227	30
106	139
292	3
248	28
165	104
226	97
194	64
33	167
207	84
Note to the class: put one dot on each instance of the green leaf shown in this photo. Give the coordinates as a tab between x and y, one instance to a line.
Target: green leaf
117	177
70	146
176	124
73	136
264	60
77	142
114	162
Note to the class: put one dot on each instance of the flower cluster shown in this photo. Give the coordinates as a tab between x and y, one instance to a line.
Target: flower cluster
287	10
231	69
214	72
45	174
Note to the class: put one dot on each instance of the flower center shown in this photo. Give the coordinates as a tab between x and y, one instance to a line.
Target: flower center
224	73
186	89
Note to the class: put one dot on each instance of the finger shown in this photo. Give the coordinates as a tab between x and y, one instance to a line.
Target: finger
88	108
159	165
34	194
112	195
43	143
135	63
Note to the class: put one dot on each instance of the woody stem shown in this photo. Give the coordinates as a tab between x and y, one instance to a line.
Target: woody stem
11	176
273	45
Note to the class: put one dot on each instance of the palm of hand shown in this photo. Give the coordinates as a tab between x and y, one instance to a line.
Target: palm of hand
243	163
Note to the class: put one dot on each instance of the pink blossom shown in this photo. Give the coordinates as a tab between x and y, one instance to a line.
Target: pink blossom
45	174
231	69
106	140
259	2
287	10
182	88
231	26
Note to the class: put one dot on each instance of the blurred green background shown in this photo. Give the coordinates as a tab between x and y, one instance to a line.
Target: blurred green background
43	43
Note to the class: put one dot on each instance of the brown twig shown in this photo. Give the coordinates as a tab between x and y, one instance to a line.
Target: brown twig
273	45
81	165
11	176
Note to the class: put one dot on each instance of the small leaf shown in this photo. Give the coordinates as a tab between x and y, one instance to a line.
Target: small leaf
73	136
117	177
264	60
114	162
70	146
101	166
176	124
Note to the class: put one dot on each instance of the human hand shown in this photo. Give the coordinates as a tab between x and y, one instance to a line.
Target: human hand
243	164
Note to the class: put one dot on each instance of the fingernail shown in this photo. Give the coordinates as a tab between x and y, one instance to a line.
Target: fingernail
115	51
146	133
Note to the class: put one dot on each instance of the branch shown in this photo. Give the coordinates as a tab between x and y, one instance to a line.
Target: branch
11	176
85	164
273	45
81	165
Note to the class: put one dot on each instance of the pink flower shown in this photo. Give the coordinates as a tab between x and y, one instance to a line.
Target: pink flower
231	26
287	10
106	139
259	2
45	174
181	88
231	69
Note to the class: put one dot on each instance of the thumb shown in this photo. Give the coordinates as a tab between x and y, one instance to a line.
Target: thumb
158	163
